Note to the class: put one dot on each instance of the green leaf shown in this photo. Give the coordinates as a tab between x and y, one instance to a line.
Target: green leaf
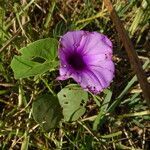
37	58
72	98
103	110
47	111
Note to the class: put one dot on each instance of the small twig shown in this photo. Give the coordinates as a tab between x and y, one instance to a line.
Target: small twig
33	128
98	15
130	142
142	113
15	142
7	84
7	103
9	23
133	57
28	104
47	85
23	20
11	39
144	137
89	131
113	143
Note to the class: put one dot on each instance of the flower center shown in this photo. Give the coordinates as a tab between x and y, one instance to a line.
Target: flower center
76	61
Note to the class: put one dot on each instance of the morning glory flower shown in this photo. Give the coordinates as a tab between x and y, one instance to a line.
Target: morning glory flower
87	58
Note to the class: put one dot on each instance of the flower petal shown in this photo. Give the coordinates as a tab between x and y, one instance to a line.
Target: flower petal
97	44
105	69
97	59
88	81
96	78
64	73
62	78
71	40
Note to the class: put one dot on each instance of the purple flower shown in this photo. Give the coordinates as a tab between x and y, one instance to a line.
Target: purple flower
87	58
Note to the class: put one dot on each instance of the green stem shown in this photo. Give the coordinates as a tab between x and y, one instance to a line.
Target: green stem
47	85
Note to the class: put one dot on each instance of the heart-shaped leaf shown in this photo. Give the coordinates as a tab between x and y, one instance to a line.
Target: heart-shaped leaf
72	99
47	111
37	58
